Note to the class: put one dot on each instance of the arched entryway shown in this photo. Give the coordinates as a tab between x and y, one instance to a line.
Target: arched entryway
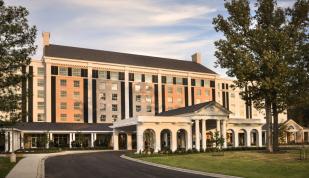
181	139
149	138
166	136
254	137
230	138
122	138
242	137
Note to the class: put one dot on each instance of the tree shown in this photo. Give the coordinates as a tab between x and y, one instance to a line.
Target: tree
17	39
266	52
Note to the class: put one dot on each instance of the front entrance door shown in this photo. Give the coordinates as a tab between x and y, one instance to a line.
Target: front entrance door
34	142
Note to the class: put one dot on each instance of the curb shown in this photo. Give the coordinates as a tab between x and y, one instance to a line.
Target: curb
179	169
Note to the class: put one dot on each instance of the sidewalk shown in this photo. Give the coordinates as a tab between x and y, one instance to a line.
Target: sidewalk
32	165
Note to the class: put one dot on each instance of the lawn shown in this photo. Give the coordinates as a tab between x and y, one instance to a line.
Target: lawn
5	166
253	164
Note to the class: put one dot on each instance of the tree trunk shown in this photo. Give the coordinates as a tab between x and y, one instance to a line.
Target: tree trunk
268	125
275	128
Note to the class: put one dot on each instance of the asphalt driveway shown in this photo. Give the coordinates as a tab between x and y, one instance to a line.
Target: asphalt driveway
105	165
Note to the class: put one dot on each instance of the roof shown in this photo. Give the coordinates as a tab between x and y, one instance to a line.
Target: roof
46	126
189	109
123	58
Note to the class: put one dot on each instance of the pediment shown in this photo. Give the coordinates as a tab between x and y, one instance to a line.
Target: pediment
292	125
213	109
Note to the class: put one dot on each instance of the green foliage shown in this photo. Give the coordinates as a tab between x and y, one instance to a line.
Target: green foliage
267	52
218	140
17	39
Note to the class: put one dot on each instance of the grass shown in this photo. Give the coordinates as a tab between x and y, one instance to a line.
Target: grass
6	165
253	164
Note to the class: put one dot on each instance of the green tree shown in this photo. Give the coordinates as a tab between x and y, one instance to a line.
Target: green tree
17	39
266	52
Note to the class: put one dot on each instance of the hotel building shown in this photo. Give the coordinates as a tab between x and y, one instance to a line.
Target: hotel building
127	101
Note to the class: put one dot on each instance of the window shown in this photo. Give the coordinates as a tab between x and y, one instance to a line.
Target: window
206	83
138	108
137	77
178	80
63	83
114	97
41	82
102	86
102	96
103	107
198	92
148	88
41	105
76	72
170	99
179	90
114	107
148	99
218	85
76	83
102	74
148	108
115	117
76	94
169	80
114	75
63	105
77	117
179	100
138	98
137	88
197	83
207	93
170	89
63	71
41	117
77	105
63	93
114	86
41	71
41	94
63	117
102	118
148	78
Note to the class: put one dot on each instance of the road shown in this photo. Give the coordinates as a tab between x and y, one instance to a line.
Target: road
105	165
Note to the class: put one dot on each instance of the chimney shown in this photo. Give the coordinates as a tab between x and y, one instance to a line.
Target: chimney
46	36
196	57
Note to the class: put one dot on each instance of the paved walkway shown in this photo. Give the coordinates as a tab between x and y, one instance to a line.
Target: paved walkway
107	165
32	165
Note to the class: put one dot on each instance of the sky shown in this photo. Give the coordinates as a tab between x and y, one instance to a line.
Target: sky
164	28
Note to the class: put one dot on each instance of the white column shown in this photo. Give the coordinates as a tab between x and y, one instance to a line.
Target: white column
47	91
174	140
204	134
73	136
47	141
90	110
189	143
126	87
22	140
189	92
11	141
218	126
7	141
92	140
160	91
259	144
71	139
139	139
223	133
94	137
129	141
158	141
197	134
115	138
248	144
236	141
